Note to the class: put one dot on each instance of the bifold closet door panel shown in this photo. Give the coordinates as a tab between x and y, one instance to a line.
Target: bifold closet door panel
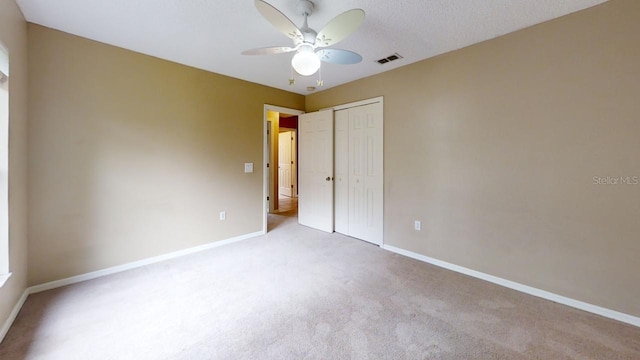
366	173
315	201
341	164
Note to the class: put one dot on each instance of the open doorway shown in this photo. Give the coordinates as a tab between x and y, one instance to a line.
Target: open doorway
288	165
281	172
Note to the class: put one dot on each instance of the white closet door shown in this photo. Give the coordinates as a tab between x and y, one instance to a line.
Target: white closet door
342	171
366	173
315	162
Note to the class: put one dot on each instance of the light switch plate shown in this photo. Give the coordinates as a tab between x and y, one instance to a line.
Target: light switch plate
248	167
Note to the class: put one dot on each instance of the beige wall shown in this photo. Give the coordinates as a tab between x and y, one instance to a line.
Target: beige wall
132	156
13	34
494	147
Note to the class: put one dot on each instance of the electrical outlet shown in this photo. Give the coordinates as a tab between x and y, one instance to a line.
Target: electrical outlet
417	225
223	215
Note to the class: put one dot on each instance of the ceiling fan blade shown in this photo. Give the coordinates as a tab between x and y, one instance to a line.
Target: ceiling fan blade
337	56
269	50
278	19
340	27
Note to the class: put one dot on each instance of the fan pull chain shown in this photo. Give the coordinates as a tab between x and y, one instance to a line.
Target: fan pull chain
320	82
292	79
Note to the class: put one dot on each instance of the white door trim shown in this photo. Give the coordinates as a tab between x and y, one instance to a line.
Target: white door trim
379	99
265	156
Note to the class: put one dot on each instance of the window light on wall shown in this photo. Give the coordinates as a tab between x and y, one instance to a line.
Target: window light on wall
4	165
4	64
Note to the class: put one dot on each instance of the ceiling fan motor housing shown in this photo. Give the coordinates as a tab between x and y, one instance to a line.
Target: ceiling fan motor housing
309	35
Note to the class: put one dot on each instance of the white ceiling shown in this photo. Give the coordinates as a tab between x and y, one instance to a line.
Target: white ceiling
211	34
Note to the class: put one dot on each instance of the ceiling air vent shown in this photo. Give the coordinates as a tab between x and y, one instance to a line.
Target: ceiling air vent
389	58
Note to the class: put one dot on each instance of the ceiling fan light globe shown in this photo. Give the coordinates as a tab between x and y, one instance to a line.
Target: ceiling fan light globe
305	63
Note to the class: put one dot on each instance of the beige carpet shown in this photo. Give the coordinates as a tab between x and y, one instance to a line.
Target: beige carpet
297	293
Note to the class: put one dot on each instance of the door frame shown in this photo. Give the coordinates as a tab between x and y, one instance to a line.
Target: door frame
265	156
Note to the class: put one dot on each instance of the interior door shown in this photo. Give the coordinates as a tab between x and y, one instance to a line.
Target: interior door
366	173
341	159
315	165
285	164
359	172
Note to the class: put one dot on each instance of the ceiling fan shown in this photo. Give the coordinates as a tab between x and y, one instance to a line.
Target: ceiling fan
307	43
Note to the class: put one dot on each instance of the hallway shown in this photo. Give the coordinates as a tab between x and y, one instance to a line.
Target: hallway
286	203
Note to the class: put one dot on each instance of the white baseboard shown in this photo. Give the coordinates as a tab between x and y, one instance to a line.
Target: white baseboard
113	270
137	264
612	314
13	314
